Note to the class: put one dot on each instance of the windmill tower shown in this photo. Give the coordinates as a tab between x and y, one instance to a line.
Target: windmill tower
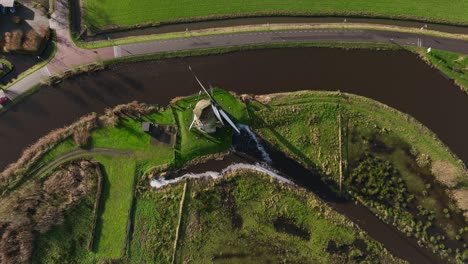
208	114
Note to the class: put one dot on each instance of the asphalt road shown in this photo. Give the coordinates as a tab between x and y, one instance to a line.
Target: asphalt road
69	55
324	35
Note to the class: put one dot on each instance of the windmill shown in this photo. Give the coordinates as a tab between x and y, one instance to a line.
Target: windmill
201	108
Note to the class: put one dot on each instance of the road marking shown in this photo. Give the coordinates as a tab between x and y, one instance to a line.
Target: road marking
116	51
47	71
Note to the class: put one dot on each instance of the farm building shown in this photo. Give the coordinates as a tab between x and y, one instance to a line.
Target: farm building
7	3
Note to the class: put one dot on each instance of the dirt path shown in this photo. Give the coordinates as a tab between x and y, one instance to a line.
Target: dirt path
78	153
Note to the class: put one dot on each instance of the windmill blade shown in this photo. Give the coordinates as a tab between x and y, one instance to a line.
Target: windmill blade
203	87
191	125
230	122
216	112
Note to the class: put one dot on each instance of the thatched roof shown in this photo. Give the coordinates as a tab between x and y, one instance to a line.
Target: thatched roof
204	117
202	104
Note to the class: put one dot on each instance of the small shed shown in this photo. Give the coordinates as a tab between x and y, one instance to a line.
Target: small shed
7	3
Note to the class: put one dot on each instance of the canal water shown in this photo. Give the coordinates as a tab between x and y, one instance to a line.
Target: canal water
396	78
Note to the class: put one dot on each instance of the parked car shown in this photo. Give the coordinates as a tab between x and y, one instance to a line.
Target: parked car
3	97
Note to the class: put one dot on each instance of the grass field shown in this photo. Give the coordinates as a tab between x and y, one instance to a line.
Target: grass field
156	219
248	218
69	240
116	197
387	155
102	13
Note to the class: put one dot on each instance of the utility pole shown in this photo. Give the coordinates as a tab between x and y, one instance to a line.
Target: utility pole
340	151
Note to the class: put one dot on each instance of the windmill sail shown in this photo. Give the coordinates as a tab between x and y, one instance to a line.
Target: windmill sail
228	120
203	87
216	112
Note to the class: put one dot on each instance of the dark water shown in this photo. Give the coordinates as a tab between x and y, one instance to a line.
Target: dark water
396	78
178	27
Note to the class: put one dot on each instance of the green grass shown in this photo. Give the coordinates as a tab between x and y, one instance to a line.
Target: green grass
211	230
127	135
62	148
7	67
68	241
117	192
156	219
195	143
454	65
304	125
291	121
102	13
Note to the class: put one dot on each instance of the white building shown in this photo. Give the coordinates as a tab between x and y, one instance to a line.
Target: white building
7	3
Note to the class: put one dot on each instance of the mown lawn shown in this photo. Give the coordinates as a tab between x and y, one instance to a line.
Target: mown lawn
101	13
128	134
116	197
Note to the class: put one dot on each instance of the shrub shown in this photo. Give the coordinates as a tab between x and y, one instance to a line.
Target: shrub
40	206
32	41
81	136
13	40
16	242
374	179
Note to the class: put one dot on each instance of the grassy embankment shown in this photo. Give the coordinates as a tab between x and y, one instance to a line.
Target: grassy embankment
195	144
105	14
454	65
393	164
247	218
6	67
120	171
